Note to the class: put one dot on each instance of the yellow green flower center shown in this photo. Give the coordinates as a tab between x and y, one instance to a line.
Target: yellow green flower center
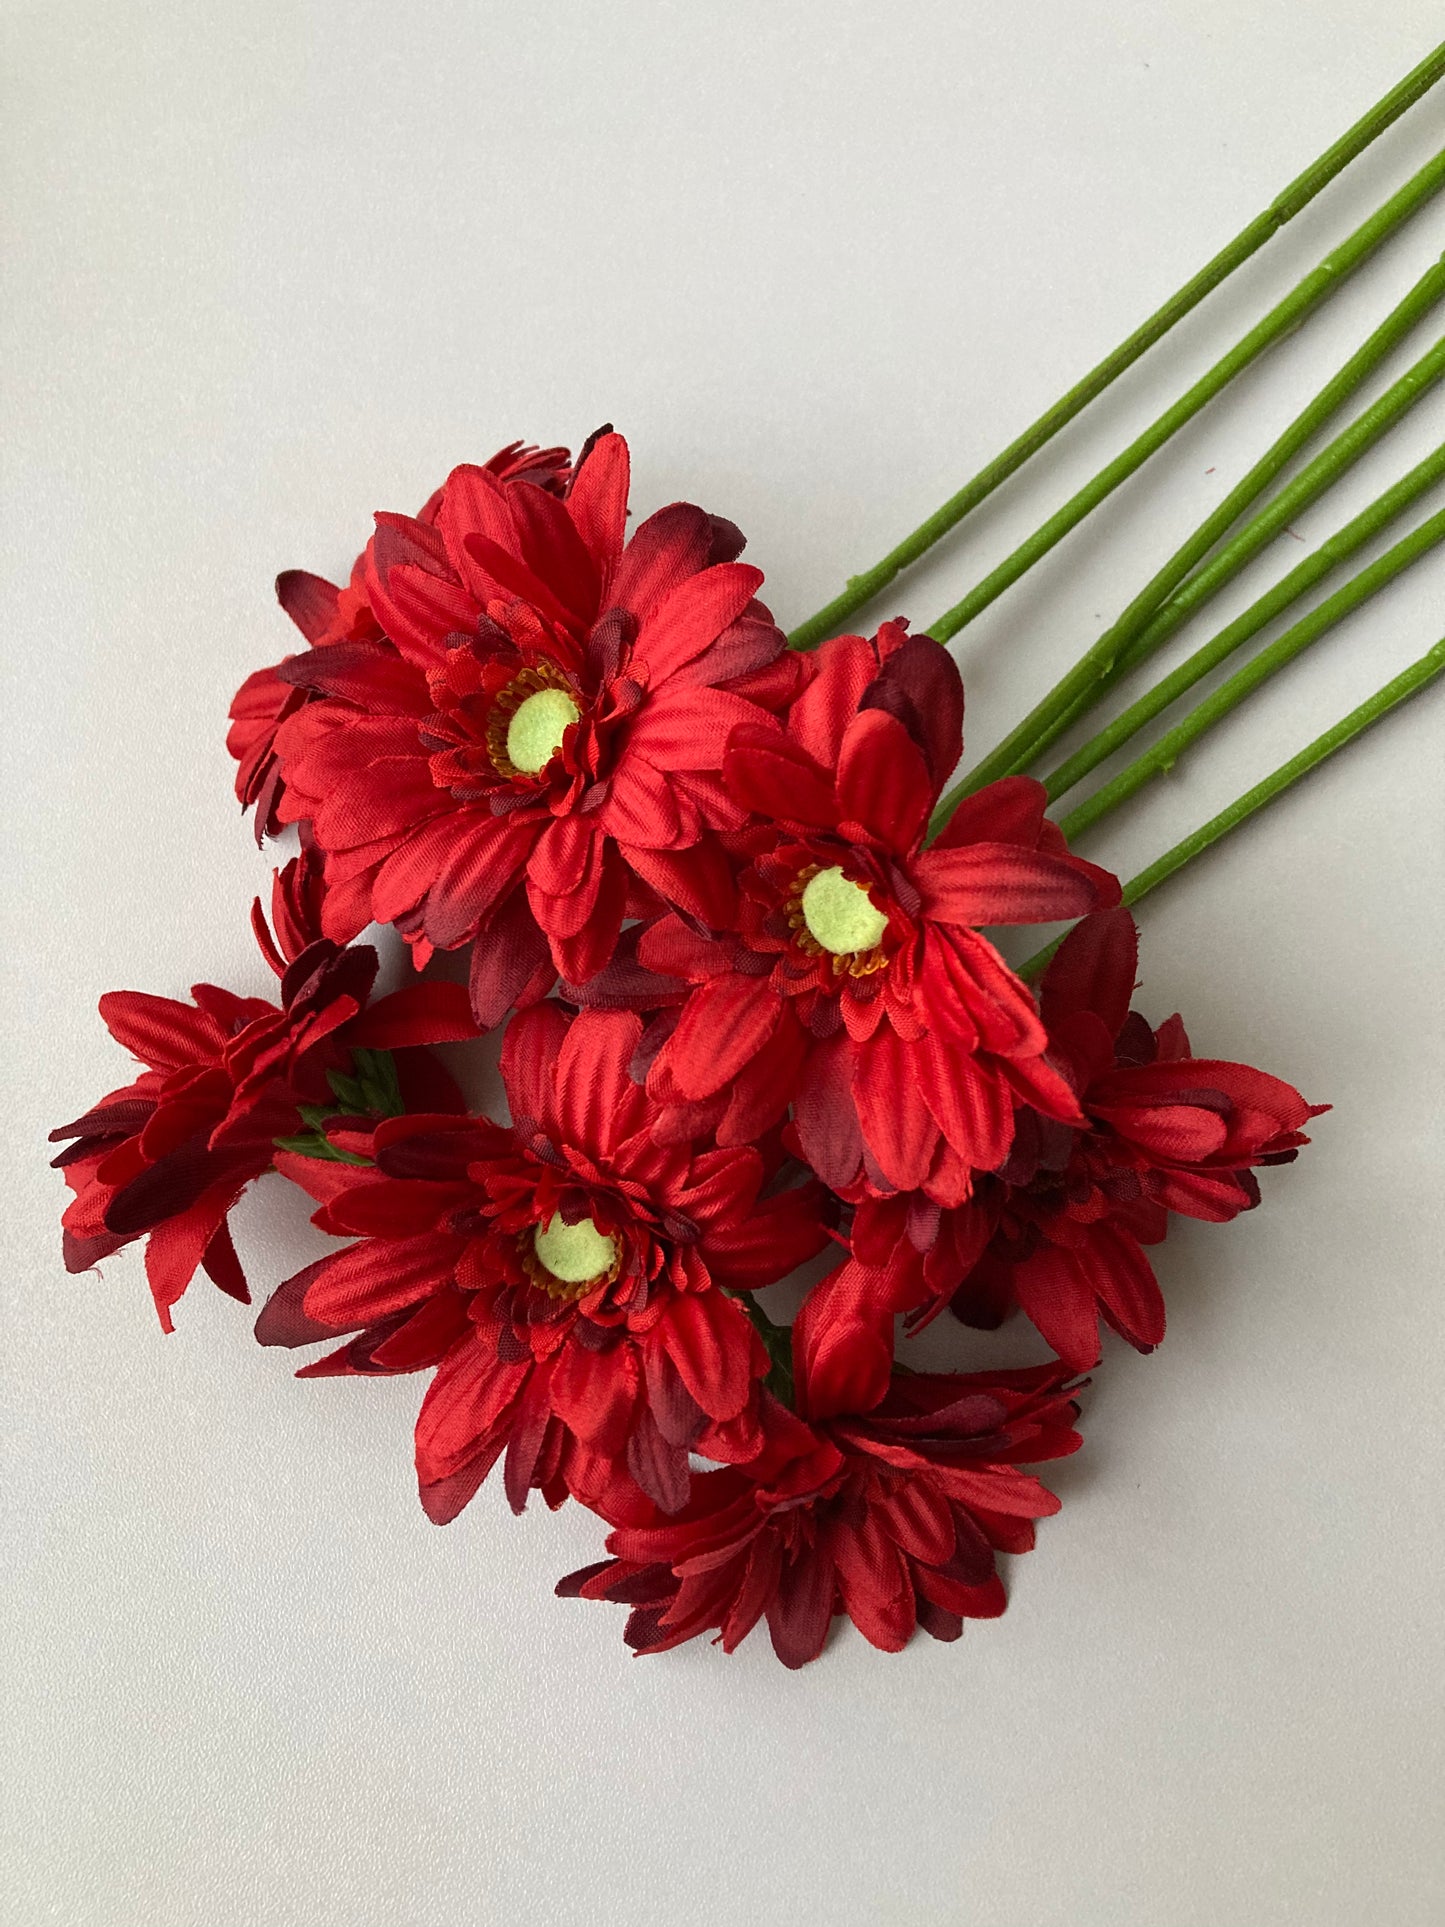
841	914
536	729
573	1253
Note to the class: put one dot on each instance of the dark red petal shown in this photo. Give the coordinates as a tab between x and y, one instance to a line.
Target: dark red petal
825	1115
431	1013
666	549
1054	1294
1093	971
920	685
801	1610
309	600
509	960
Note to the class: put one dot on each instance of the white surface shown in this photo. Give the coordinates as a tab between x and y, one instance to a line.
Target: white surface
269	267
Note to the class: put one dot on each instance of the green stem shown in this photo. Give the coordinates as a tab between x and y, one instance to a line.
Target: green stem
1407	684
1340	546
1299	193
1099	668
1282	319
1164	754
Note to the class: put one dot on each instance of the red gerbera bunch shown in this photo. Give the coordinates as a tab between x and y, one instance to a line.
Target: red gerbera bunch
757	1018
893	1518
530	749
571	1279
855	982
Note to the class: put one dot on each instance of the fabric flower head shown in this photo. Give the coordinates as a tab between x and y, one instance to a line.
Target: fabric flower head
855	982
572	1281
167	1157
897	1527
529	749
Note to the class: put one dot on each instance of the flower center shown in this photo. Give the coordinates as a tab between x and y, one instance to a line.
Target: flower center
840	913
574	1253
535	732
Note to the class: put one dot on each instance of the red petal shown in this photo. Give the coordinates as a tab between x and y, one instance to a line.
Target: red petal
897	1126
597	1102
724	1023
991	883
597	501
768	773
883	781
471	1391
433	1013
1055	1295
530	1048
379	1276
1093	971
160	1031
693	616
711	1341
596	1393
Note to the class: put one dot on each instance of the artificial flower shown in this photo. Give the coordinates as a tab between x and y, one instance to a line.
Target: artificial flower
854	981
570	1280
168	1156
1060	1229
533	752
327	615
896	1524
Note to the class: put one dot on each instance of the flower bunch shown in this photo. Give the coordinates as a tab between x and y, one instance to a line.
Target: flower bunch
752	1018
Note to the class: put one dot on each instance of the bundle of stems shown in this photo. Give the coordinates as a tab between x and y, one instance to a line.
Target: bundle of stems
1230	537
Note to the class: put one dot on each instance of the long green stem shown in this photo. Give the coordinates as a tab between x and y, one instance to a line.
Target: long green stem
1407	684
1299	193
1099	668
1116	650
1282	319
1163	755
1329	555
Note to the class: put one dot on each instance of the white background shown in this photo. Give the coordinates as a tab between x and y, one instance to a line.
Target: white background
268	267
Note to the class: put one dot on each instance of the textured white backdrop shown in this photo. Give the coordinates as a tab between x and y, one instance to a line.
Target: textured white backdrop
270	266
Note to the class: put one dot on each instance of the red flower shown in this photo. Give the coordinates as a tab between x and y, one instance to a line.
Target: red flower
1060	1230
168	1156
854	981
565	1276
325	615
897	1530
533	752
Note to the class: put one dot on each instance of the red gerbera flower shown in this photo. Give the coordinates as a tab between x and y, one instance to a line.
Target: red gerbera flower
1168	1132
325	615
899	1530
168	1156
1060	1230
534	750
568	1277
855	981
